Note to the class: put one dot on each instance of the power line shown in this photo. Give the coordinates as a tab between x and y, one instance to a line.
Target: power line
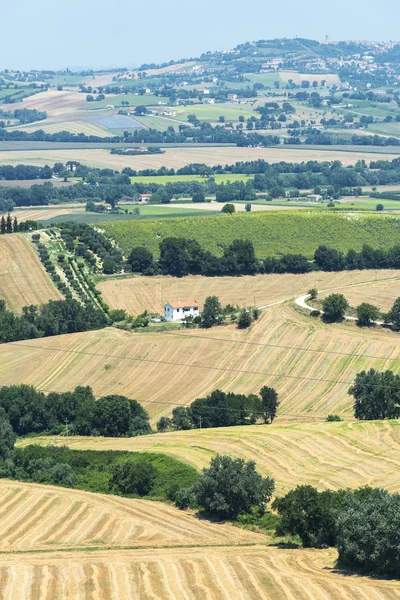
213	408
221	339
191	366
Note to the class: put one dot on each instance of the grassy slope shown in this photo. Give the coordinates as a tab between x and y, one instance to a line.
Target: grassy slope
326	455
271	233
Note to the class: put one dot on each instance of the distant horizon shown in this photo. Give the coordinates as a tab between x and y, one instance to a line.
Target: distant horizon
116	67
45	36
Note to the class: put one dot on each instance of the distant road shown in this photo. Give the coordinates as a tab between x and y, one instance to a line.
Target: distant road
15	146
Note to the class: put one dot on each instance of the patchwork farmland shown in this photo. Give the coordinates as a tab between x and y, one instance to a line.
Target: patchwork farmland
179	157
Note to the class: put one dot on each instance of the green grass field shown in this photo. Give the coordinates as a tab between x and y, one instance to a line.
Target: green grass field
267	79
212	112
133	100
160	123
163	179
272	233
66	79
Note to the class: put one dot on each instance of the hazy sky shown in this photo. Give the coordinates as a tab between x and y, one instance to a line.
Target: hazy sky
42	34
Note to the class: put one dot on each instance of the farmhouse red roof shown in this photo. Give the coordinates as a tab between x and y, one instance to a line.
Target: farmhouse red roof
180	304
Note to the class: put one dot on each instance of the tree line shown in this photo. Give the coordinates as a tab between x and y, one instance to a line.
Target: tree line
329	178
30	411
57	317
181	256
220	409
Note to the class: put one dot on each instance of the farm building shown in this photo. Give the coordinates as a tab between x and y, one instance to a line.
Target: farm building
108	207
177	311
144	198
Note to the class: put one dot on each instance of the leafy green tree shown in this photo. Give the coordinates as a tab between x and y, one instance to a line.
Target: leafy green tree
140	110
309	514
140	259
164	423
198	196
270	403
133	477
244	320
181	418
240	257
114	416
7	436
367	314
230	486
376	395
228	209
329	259
247	207
393	316
334	307
212	312
379	207
368	532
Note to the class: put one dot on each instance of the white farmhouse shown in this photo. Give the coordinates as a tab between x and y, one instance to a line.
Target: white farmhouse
177	311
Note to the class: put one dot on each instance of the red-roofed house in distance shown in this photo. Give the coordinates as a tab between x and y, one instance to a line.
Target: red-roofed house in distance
177	311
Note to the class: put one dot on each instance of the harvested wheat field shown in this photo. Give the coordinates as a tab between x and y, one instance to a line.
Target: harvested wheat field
330	78
310	363
36	516
73	126
179	157
55	103
42	214
247	573
136	294
380	293
325	455
23	280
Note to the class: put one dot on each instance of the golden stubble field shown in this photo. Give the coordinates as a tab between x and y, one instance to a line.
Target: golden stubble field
55	103
136	294
179	157
325	455
311	364
145	550
23	280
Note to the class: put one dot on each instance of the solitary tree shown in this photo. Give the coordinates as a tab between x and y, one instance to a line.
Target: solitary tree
212	312
231	486
270	403
366	313
228	209
334	307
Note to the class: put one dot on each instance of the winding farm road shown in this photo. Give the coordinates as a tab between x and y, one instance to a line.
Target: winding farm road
301	301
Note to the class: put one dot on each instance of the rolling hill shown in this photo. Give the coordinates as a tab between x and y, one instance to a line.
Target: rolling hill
325	455
272	233
311	364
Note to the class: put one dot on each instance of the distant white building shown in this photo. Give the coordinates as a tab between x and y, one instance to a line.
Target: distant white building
177	311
